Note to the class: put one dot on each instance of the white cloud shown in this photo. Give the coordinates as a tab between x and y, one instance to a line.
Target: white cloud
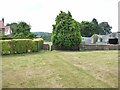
41	14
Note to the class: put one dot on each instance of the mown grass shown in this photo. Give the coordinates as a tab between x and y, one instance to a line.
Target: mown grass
61	69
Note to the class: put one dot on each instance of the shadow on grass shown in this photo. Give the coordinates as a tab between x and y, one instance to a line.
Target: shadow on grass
43	51
24	54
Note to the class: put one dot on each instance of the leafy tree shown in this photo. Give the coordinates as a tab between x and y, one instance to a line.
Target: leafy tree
21	30
24	28
66	31
86	28
14	27
90	28
30	35
95	21
95	26
20	35
105	28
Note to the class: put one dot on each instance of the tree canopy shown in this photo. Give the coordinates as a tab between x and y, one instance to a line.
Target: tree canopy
21	30
86	28
93	27
105	28
66	31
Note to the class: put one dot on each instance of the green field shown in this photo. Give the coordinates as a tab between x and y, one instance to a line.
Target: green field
61	69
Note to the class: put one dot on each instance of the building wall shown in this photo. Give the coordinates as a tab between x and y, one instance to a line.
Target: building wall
4	30
7	30
86	40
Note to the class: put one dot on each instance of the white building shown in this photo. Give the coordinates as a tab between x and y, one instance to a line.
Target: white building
86	40
105	38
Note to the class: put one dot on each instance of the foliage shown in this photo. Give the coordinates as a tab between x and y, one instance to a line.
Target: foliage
30	35
93	27
105	28
39	42
96	27
86	29
95	21
5	46
21	30
21	46
14	27
23	36
66	31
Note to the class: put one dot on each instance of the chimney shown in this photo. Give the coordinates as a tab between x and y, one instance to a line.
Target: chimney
3	20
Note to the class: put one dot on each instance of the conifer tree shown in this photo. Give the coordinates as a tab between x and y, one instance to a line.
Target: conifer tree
66	31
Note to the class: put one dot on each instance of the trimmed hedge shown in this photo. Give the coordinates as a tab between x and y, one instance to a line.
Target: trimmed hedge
5	37
6	46
19	46
39	42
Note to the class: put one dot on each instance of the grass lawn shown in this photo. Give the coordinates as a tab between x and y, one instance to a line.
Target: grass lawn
61	69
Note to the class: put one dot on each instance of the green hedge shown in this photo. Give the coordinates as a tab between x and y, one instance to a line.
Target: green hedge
21	46
39	42
5	46
5	37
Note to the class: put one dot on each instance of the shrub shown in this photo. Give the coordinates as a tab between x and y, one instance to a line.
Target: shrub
21	46
5	46
66	31
39	41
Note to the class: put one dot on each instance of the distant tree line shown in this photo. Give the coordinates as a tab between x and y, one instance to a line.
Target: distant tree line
89	28
45	35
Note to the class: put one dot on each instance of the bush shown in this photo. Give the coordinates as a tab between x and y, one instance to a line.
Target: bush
66	32
21	46
39	42
5	46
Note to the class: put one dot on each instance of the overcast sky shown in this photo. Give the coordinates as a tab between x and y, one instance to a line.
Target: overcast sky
41	14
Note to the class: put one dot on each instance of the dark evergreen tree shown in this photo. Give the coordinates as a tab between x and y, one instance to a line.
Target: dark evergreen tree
105	28
86	28
66	31
95	21
95	26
